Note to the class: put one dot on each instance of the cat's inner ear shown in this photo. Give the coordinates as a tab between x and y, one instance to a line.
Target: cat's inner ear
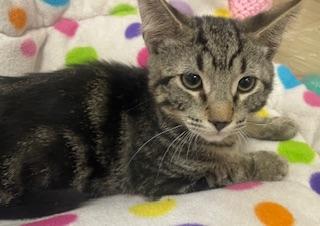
269	27
160	22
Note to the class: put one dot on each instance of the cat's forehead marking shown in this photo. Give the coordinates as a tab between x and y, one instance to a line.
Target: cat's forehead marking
221	39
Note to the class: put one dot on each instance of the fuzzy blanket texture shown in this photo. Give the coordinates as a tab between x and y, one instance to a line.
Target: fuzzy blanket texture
45	35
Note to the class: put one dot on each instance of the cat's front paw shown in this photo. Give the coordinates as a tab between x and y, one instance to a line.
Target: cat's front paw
276	128
285	128
268	166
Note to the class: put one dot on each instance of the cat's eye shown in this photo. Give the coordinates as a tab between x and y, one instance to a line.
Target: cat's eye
246	84
191	81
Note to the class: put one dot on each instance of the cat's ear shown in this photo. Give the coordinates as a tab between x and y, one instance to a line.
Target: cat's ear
160	21
269	27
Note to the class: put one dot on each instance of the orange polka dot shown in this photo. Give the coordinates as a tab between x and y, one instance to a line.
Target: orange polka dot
273	214
17	17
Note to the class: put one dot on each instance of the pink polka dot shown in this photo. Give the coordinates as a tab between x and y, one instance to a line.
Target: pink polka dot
244	186
245	8
61	220
311	98
143	57
28	48
67	27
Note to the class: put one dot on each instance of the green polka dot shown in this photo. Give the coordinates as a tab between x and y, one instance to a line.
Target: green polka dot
80	55
312	82
296	152
123	10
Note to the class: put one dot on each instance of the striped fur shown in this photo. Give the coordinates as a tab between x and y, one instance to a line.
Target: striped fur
106	128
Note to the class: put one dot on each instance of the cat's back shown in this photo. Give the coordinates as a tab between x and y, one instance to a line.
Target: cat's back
74	78
40	82
68	98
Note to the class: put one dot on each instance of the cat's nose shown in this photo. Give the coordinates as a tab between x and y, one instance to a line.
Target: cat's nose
219	125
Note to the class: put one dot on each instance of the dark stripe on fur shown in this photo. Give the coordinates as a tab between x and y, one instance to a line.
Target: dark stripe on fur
239	44
243	65
200	62
214	62
203	96
200	39
164	81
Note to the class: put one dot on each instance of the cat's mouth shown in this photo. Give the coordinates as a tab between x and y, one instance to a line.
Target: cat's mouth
207	135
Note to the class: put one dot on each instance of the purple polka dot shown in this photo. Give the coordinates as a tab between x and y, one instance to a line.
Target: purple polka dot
182	7
133	30
315	182
190	224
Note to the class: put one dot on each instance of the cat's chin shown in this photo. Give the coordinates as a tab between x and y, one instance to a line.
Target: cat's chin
214	138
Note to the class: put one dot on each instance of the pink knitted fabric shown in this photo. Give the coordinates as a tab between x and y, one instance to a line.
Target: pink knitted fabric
241	9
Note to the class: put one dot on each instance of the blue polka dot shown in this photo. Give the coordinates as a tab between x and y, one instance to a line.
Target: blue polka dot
57	2
287	77
133	30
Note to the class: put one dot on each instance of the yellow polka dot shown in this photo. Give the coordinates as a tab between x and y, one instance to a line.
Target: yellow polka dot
18	17
222	12
263	113
153	209
273	214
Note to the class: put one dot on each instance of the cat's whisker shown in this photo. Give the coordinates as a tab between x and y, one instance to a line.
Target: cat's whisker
238	138
184	143
241	125
196	145
178	146
181	145
245	137
167	150
237	130
152	138
258	123
238	135
241	139
192	135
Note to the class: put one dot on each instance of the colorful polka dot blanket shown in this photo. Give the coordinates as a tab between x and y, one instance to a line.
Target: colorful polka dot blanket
45	35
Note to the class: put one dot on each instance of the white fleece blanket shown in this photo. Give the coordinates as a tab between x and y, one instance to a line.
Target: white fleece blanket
44	35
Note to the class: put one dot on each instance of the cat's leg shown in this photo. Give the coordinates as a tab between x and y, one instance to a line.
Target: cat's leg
5	197
177	185
244	167
10	186
268	166
229	169
275	128
29	168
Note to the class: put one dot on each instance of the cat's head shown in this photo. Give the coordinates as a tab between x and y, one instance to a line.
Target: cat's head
210	73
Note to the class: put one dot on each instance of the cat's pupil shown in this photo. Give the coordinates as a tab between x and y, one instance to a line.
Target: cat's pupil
246	84
191	81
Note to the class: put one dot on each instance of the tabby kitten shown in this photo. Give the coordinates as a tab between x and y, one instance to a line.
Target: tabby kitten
105	128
